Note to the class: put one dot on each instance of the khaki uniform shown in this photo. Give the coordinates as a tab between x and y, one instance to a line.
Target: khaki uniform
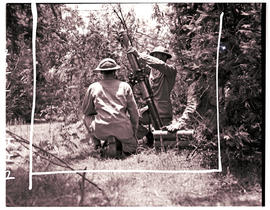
162	79
201	102
105	107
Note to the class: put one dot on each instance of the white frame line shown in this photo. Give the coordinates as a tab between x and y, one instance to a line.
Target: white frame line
31	173
128	171
217	97
34	13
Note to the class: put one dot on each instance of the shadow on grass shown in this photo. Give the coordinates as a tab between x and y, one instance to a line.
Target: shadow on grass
239	185
228	195
218	199
49	190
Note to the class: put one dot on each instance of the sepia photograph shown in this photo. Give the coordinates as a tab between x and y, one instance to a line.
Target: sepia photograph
125	104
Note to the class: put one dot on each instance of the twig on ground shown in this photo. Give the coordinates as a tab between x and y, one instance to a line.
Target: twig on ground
81	184
191	154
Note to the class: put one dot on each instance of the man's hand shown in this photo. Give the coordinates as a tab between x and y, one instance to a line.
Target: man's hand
174	126
133	51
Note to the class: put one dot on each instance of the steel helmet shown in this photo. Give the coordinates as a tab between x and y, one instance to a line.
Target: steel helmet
162	50
107	64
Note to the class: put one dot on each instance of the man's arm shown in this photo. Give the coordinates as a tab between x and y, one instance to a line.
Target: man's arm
148	60
132	109
192	103
164	68
88	106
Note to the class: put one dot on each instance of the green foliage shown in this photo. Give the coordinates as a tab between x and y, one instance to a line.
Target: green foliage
242	61
195	29
19	61
67	51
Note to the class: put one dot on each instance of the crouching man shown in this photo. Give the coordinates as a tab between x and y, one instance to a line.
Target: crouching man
110	112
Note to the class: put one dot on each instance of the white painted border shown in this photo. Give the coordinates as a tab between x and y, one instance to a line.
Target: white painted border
128	171
34	13
217	97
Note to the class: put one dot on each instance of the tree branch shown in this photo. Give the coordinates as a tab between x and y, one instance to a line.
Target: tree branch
53	10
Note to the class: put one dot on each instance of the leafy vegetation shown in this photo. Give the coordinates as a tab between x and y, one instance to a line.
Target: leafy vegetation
195	28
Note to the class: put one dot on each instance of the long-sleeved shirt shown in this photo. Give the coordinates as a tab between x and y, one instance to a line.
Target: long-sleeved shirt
192	103
200	99
162	80
109	101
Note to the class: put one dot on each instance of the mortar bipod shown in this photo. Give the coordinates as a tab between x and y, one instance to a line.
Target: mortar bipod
162	135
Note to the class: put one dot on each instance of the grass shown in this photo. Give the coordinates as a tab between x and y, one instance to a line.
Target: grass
143	161
122	189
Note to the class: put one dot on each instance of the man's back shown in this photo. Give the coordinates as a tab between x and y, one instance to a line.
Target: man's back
110	100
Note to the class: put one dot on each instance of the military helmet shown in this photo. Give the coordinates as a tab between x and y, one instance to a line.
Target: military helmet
107	64
162	50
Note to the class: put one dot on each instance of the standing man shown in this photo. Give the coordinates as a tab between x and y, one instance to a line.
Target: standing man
105	109
162	80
